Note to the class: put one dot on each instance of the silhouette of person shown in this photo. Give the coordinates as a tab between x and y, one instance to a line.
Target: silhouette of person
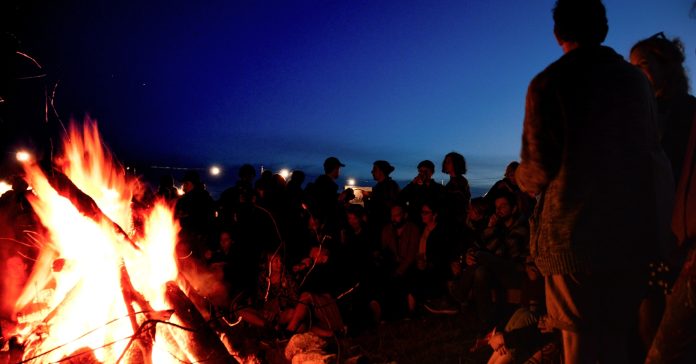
384	194
662	61
590	150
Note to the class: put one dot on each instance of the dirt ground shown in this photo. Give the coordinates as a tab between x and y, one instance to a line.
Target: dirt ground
428	338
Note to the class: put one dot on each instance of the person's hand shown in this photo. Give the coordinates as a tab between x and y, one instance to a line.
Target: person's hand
456	268
543	325
471	258
493	220
418	180
421	264
497	342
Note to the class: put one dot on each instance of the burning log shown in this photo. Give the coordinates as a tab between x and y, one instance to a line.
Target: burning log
201	342
82	201
200	302
131	296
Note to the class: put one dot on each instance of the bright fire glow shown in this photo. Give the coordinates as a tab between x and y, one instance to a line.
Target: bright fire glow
285	173
23	156
4	187
79	274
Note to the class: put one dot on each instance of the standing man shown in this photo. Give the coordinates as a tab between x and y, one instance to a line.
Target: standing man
324	192
591	154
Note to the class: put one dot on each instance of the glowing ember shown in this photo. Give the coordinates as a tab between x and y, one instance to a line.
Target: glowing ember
83	294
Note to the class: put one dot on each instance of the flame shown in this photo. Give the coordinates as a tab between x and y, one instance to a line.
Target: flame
4	187
78	280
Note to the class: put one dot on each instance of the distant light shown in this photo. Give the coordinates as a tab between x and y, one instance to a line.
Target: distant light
215	171
23	156
4	187
351	182
285	173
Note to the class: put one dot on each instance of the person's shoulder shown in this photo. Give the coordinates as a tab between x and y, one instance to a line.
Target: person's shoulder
393	184
321	179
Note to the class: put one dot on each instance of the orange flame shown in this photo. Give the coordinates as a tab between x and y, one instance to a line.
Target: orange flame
78	278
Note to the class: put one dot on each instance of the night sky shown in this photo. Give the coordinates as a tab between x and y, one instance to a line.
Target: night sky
288	83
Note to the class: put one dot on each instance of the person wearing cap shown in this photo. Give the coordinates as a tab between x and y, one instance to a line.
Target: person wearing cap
384	194
324	193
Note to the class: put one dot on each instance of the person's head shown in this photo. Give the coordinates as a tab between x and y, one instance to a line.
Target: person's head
426	169
398	215
355	214
381	170
429	212
662	61
580	22
247	173
226	241
279	183
191	181
297	178
332	167
478	209
348	195
505	205
454	164
510	171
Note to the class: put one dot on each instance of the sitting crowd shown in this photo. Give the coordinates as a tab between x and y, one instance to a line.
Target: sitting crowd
296	259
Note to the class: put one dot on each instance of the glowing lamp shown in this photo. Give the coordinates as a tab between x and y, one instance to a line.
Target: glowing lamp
215	171
285	173
351	182
23	156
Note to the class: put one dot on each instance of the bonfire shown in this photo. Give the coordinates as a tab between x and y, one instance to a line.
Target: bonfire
103	288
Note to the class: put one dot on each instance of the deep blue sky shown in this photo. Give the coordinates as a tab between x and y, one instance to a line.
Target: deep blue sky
288	83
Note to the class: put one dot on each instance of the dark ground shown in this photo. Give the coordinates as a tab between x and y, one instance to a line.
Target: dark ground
427	338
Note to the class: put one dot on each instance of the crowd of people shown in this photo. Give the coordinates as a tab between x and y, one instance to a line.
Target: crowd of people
567	237
311	252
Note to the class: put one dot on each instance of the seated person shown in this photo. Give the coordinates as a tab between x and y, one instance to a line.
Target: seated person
436	251
499	263
316	275
399	249
524	335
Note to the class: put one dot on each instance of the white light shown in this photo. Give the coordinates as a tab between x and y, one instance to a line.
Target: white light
215	171
285	173
350	182
23	156
4	187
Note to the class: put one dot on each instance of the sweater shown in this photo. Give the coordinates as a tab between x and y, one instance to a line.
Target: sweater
590	150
